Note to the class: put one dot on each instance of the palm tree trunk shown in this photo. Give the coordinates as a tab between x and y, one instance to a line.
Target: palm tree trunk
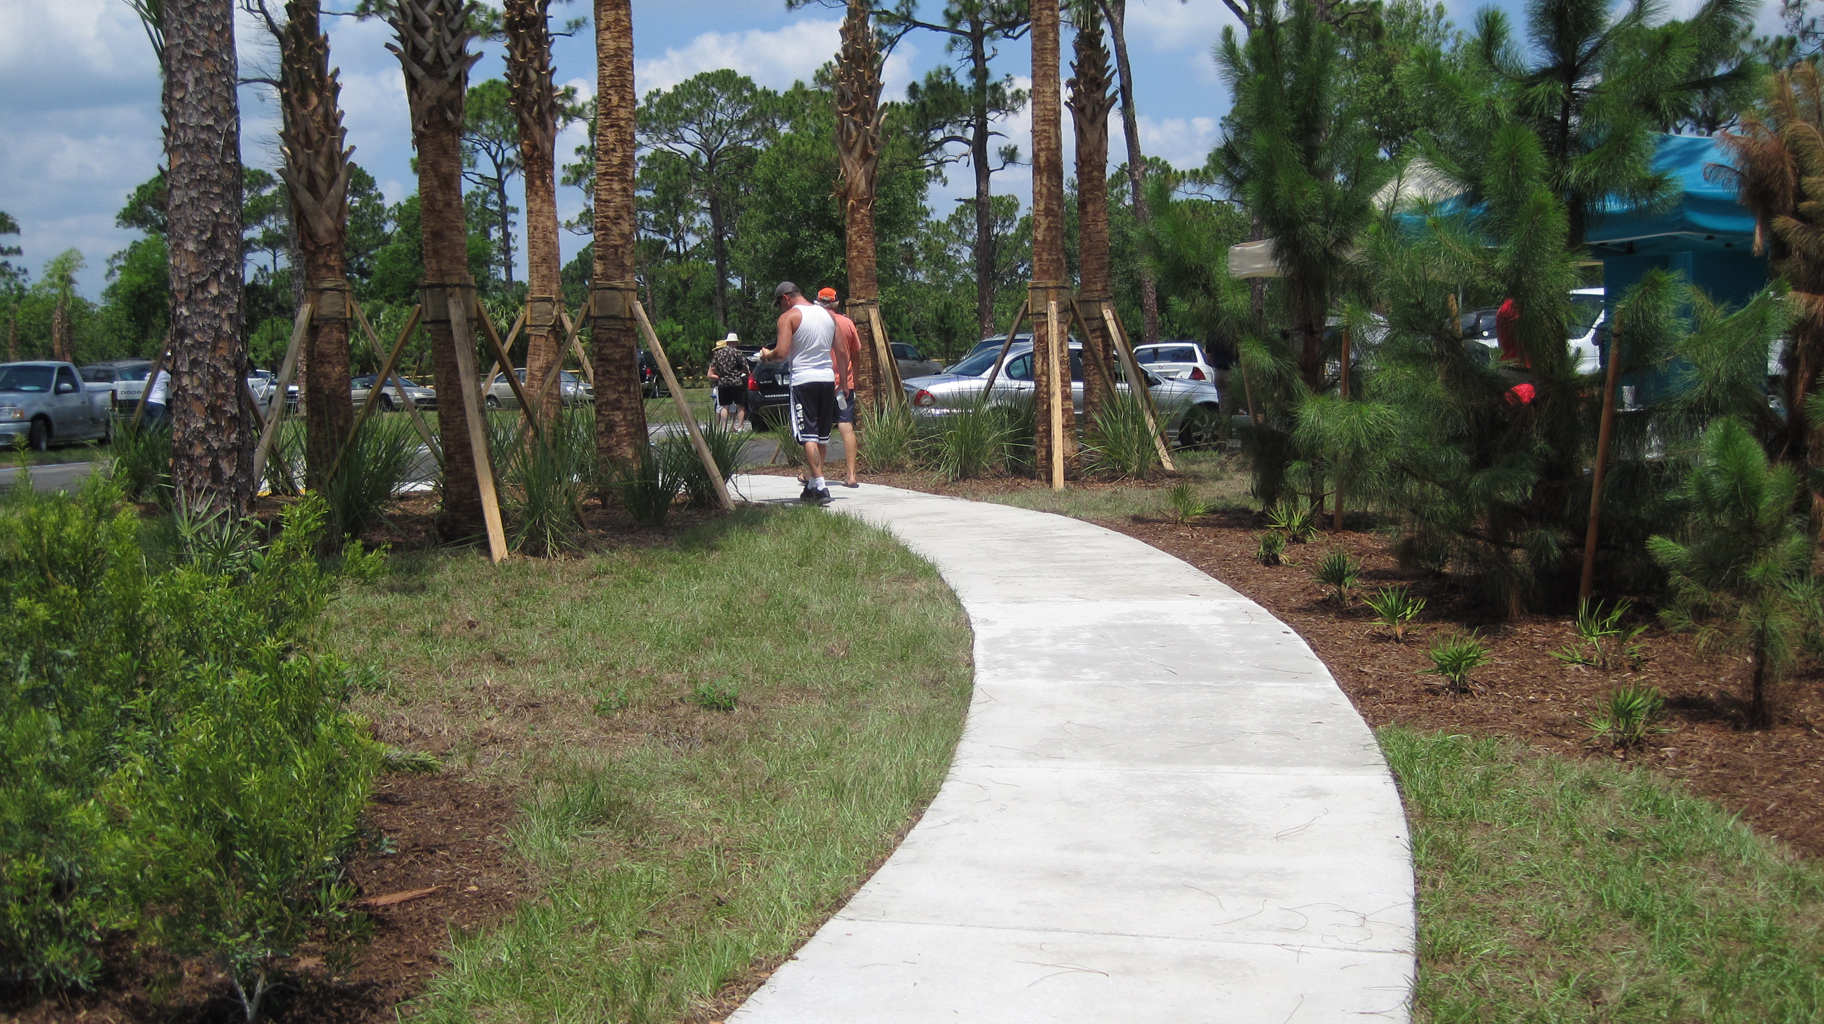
1090	103
620	411
534	99
60	330
212	464
316	173
1048	266
1116	10
858	122
433	43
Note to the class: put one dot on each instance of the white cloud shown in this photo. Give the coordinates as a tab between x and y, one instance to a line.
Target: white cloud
1175	25
1184	142
774	59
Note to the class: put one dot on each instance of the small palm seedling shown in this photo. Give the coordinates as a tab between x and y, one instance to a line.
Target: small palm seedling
400	761
1602	641
1454	657
719	695
1297	522
1395	608
1629	716
1184	503
1339	572
1272	545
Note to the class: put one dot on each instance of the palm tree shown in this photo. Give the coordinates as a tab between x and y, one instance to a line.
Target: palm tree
212	445
1048	267
432	46
620	411
534	101
59	281
858	121
1090	103
316	171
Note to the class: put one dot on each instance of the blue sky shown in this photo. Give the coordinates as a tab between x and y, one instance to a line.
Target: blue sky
80	122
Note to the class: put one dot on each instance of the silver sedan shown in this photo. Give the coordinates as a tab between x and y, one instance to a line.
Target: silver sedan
1190	408
570	389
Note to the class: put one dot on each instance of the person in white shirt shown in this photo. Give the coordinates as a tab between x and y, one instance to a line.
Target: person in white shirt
158	401
807	335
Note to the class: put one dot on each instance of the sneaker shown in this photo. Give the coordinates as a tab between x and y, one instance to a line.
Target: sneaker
808	494
822	497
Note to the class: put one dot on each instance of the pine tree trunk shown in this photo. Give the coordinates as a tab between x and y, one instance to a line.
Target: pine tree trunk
980	135
534	99
1090	104
432	47
1136	164
1760	716
858	124
1048	266
211	443
620	410
316	171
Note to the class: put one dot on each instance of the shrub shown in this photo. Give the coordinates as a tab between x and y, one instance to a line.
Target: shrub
679	457
888	437
1119	442
1272	546
970	442
1395	608
142	460
647	490
378	462
549	480
1602	641
1454	657
1339	572
285	458
1628	716
1184	504
1296	520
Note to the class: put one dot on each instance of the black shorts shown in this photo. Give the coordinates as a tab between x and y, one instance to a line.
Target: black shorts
845	408
813	411
733	394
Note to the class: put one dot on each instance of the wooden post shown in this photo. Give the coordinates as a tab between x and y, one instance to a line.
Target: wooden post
478	430
1337	526
270	431
1588	583
884	355
500	353
995	371
1137	382
392	374
576	344
1060	387
373	395
1101	370
684	410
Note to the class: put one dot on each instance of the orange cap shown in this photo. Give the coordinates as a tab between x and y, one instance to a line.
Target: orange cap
827	293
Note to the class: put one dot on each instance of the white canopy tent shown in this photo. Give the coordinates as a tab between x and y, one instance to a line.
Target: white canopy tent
1418	181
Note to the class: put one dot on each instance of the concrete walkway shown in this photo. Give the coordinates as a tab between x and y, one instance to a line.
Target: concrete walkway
1162	808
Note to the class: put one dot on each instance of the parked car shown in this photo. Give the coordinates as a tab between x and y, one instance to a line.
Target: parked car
570	389
912	362
262	383
390	396
123	379
1176	359
994	345
1191	408
769	389
1586	330
48	403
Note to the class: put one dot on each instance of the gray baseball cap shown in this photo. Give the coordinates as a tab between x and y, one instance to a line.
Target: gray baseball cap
785	288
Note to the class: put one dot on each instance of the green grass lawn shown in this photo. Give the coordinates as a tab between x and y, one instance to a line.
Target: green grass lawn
665	410
12	456
675	843
1553	890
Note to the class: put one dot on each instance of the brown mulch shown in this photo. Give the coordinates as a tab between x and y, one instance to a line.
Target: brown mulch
1773	778
424	832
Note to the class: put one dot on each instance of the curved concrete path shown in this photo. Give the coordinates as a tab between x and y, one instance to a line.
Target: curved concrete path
1162	809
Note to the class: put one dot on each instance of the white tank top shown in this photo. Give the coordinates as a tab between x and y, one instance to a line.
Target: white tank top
811	344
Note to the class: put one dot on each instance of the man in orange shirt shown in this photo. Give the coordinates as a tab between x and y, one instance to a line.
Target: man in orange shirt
849	339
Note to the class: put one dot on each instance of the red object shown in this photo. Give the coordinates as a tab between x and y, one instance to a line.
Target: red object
1197	373
1507	321
924	399
1521	394
752	384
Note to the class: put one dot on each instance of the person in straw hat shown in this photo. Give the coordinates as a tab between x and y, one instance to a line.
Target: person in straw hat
728	376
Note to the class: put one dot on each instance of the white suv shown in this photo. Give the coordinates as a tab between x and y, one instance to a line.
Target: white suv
1176	359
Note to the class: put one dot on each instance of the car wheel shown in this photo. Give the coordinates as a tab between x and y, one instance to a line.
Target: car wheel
38	435
492	402
386	403
1202	427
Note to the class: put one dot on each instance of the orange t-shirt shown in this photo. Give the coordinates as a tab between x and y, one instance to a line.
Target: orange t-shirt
850	338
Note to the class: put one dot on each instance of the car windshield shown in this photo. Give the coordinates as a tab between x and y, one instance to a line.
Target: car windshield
32	379
137	371
977	363
1584	311
569	378
97	375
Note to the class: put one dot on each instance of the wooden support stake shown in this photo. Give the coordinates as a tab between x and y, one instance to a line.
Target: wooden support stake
1058	372
883	356
1337	525
280	387
411	407
995	371
478	429
1137	381
500	353
1588	584
1101	371
575	344
684	411
373	395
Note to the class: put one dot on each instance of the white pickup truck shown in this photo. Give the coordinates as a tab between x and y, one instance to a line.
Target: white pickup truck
49	403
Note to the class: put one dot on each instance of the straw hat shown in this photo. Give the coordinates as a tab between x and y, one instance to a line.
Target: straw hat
730	340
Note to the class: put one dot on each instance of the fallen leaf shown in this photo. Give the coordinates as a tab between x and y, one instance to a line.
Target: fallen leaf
392	898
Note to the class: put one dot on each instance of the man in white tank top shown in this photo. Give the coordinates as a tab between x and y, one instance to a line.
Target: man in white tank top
806	336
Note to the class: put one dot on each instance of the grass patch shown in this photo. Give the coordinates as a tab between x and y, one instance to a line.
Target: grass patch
14	456
1567	891
712	745
665	410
